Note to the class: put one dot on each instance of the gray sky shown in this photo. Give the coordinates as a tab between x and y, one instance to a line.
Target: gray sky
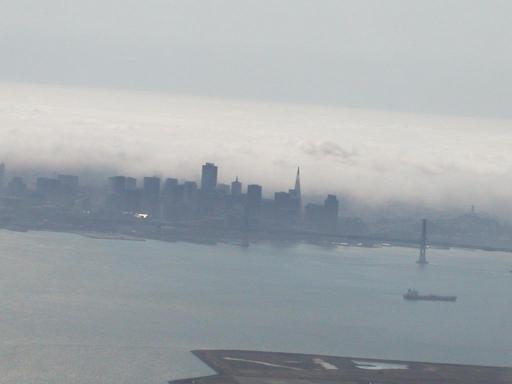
260	87
436	56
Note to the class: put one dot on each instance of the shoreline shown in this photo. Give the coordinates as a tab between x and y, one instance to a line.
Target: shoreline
322	240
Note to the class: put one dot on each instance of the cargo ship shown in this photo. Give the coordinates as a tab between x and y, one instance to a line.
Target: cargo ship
413	294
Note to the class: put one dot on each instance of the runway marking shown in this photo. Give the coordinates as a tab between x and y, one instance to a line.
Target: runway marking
377	366
324	364
262	363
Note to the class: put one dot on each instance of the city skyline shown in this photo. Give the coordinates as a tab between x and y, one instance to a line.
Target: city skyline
30	179
211	181
153	185
209	210
425	160
327	179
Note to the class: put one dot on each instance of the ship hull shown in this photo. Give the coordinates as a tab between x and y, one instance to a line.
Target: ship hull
430	298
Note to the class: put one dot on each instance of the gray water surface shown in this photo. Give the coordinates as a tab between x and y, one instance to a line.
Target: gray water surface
80	310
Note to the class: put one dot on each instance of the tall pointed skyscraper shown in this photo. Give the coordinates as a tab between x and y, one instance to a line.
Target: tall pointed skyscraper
297	185
298	195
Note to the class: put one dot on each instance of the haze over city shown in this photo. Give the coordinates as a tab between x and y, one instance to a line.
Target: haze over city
260	88
372	155
255	191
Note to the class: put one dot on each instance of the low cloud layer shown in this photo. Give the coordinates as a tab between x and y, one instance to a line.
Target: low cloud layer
374	155
329	149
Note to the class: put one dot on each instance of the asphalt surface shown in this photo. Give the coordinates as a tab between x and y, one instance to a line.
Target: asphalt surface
253	367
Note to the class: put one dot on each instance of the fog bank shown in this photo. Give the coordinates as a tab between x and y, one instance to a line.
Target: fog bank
373	155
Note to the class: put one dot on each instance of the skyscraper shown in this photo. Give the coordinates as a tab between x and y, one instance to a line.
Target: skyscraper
296	190
208	177
254	197
171	193
117	184
123	194
152	187
296	198
236	187
190	191
151	195
170	185
332	207
130	183
324	217
116	197
285	207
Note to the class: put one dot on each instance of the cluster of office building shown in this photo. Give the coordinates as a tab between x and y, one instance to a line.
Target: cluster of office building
169	200
59	190
189	202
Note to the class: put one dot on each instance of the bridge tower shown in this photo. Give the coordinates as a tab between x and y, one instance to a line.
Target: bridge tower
423	243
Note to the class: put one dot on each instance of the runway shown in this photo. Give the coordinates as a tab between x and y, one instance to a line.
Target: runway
253	367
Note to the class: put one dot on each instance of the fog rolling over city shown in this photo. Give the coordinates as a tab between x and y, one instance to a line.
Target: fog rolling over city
374	156
325	178
363	95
